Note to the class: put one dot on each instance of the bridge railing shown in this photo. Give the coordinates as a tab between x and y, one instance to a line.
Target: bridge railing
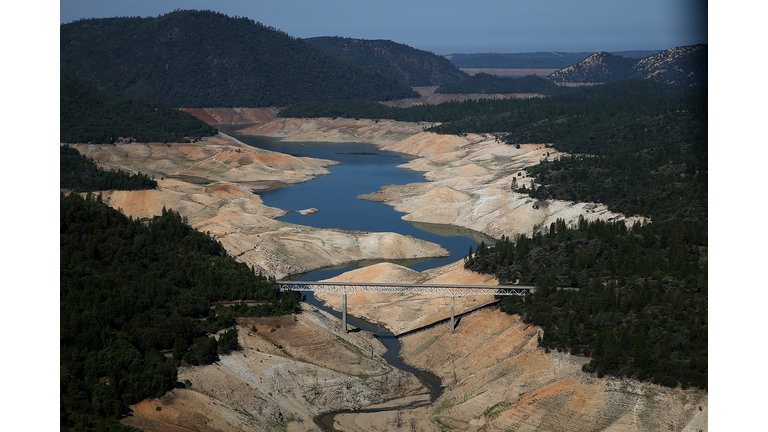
443	290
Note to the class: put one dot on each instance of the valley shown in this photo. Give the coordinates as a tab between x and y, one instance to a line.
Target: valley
493	373
370	161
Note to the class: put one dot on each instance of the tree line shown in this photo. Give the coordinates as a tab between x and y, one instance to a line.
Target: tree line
633	299
637	297
79	173
197	59
490	84
130	289
89	115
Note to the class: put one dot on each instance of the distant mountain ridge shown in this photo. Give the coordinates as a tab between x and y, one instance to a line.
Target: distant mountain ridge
410	66
198	59
531	60
685	66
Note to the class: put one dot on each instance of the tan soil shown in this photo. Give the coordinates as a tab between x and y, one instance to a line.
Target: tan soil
336	130
490	363
471	176
215	159
497	378
229	208
404	312
280	379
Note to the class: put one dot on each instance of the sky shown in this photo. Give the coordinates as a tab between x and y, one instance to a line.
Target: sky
453	26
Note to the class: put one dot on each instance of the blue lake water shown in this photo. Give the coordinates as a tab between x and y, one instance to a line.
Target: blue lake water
363	169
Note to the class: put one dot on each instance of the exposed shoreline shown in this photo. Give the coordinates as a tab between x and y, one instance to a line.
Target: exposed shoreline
495	375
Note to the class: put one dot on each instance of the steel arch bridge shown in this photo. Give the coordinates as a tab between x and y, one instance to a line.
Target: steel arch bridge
452	291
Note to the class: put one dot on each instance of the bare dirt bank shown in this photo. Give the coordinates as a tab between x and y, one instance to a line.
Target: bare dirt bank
404	312
469	177
214	183
336	130
497	378
470	186
290	369
507	72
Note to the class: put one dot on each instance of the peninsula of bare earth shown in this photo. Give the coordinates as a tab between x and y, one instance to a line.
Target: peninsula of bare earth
590	200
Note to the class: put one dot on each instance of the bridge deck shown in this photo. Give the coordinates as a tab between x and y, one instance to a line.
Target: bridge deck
443	290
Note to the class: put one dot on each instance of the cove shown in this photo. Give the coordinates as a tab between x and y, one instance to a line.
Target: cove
363	169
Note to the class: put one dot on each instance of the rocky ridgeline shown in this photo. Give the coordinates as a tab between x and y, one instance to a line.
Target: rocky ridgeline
685	66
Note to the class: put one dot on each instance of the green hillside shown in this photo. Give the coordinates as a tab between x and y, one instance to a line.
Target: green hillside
81	174
408	65
130	289
88	115
206	59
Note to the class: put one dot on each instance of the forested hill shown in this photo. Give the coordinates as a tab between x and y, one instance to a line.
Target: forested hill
681	66
489	84
409	65
88	115
206	59
130	289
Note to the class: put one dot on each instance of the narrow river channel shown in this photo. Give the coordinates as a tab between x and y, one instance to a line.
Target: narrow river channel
363	169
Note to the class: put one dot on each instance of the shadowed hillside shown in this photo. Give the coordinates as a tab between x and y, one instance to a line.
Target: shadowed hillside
207	59
408	65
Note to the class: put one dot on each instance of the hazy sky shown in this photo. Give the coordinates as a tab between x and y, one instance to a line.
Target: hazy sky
452	26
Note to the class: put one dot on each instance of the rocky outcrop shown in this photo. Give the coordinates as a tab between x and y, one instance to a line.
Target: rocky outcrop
682	66
685	65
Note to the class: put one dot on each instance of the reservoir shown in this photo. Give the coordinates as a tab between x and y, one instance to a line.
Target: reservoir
363	169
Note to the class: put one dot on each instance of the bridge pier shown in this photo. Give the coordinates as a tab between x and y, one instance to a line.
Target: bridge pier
443	290
453	304
344	314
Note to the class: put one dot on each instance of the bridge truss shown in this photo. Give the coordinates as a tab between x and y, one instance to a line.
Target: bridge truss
452	291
